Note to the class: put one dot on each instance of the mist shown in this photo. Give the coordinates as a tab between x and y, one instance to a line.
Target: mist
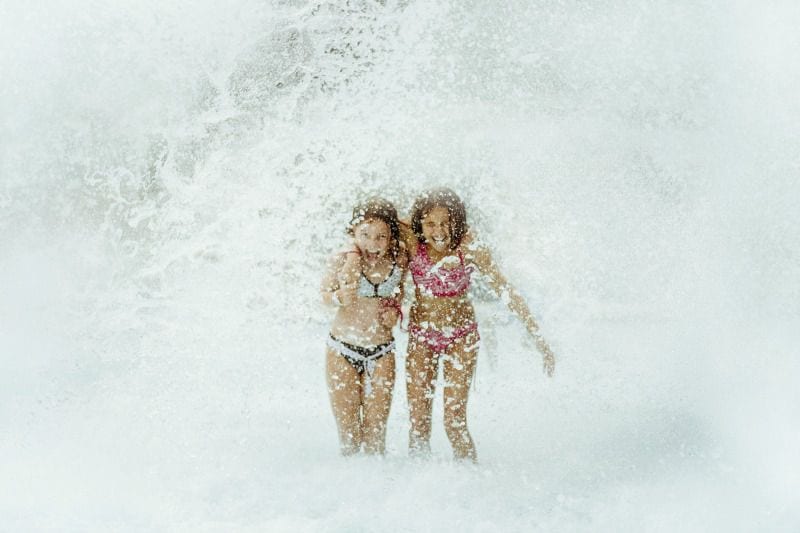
173	176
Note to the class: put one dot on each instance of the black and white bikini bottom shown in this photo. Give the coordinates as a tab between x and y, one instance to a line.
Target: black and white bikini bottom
362	358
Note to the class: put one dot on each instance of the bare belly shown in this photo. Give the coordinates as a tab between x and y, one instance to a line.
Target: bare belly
438	312
360	323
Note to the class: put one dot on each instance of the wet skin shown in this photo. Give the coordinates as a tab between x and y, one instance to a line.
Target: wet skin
439	311
355	321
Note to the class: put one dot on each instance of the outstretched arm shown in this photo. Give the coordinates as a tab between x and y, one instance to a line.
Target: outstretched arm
482	258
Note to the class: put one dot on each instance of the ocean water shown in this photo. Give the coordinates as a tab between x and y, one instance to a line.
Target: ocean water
173	176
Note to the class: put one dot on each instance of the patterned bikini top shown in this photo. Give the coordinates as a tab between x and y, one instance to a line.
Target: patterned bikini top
435	279
385	289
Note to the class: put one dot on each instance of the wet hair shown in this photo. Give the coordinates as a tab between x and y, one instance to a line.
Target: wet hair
378	209
441	197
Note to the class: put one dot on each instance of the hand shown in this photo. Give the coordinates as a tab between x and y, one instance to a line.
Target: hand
389	317
351	267
348	275
549	363
548	359
347	294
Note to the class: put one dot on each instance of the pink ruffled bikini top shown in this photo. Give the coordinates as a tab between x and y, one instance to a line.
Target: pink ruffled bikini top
437	280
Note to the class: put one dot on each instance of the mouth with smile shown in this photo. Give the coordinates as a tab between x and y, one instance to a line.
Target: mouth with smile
439	242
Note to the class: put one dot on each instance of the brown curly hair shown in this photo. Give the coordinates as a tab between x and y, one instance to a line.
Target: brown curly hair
440	197
378	209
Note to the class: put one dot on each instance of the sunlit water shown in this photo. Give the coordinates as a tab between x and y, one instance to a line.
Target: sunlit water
173	175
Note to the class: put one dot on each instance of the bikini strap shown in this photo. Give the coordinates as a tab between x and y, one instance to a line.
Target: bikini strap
422	248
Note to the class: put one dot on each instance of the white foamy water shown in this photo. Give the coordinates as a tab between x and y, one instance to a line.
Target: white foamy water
172	176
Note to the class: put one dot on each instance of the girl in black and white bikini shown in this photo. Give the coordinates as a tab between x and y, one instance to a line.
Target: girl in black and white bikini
364	283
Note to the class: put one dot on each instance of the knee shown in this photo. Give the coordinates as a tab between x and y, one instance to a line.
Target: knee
457	432
420	421
419	404
419	380
455	420
373	427
420	425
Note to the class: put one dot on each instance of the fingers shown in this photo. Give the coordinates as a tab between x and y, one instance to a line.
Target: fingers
347	295
349	298
549	364
349	270
389	317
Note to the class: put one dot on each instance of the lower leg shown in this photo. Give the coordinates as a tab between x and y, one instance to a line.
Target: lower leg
455	425
459	369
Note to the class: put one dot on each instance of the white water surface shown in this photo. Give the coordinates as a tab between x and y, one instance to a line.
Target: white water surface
173	175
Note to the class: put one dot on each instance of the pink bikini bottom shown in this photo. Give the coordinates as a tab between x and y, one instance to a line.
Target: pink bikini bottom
440	341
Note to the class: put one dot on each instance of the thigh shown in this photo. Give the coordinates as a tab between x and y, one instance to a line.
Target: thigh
459	367
344	381
379	401
421	367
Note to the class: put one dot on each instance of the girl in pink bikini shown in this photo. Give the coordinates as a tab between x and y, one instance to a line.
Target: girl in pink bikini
364	284
442	323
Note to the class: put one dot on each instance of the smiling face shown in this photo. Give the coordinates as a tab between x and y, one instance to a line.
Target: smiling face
436	228
439	218
372	237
